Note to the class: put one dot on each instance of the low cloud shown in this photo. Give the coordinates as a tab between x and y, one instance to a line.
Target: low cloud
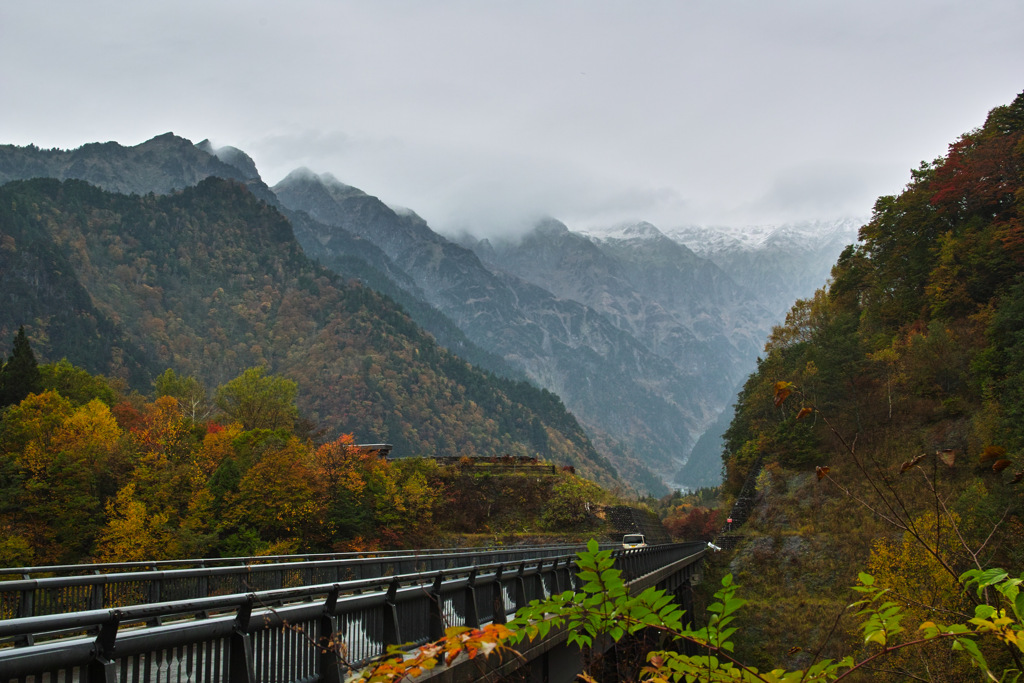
821	189
484	116
484	192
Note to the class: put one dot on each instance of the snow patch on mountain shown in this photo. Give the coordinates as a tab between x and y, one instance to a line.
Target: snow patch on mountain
802	236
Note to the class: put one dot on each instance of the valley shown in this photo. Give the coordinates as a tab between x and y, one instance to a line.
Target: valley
643	339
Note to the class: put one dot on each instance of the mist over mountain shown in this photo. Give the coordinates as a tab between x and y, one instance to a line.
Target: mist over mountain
643	333
612	383
210	281
778	264
708	313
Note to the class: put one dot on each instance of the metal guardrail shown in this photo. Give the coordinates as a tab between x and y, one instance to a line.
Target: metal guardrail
290	635
203	563
29	597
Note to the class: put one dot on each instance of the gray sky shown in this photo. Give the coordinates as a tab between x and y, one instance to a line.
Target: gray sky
480	114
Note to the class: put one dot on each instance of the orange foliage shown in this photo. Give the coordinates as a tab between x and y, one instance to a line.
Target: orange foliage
694	524
399	665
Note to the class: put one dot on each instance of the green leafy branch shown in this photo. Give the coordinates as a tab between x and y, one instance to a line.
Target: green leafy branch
604	612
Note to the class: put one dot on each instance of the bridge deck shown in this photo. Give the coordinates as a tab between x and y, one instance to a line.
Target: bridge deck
292	634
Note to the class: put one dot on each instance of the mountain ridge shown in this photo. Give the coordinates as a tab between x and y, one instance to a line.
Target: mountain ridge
210	281
613	332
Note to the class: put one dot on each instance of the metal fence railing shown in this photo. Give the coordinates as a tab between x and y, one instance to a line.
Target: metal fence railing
49	571
29	597
291	634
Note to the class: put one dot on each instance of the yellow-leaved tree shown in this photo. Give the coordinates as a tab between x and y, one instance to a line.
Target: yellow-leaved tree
916	579
133	533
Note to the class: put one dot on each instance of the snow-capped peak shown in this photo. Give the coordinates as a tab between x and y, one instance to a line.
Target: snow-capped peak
802	235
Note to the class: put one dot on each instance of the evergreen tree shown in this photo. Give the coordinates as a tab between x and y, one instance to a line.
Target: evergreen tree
20	374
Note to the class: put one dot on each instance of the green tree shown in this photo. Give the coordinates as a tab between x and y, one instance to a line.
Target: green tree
193	400
76	384
19	376
569	507
259	401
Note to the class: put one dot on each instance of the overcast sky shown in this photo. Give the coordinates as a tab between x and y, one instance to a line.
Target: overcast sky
481	114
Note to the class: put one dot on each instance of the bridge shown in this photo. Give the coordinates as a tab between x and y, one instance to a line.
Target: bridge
293	619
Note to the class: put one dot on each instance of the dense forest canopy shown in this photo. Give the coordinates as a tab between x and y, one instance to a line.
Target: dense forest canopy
921	321
89	472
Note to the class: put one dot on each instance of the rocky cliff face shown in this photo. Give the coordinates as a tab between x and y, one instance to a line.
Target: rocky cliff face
682	307
161	165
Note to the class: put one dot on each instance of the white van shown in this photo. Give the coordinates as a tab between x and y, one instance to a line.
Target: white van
634	541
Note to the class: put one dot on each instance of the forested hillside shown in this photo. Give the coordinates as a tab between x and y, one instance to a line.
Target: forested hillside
88	472
210	281
887	412
627	396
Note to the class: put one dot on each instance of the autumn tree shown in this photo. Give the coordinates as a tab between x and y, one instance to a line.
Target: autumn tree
61	464
694	523
192	397
132	532
76	384
274	498
341	486
259	401
570	505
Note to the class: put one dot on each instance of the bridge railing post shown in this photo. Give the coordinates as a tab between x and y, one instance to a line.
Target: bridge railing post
329	663
26	608
96	594
154	594
156	586
102	668
497	599
241	668
392	633
520	583
435	623
202	586
538	583
563	576
472	611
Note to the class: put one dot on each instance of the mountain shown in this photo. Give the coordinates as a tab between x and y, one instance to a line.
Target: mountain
168	163
573	267
210	280
777	264
682	307
641	337
347	252
609	380
161	165
695	290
